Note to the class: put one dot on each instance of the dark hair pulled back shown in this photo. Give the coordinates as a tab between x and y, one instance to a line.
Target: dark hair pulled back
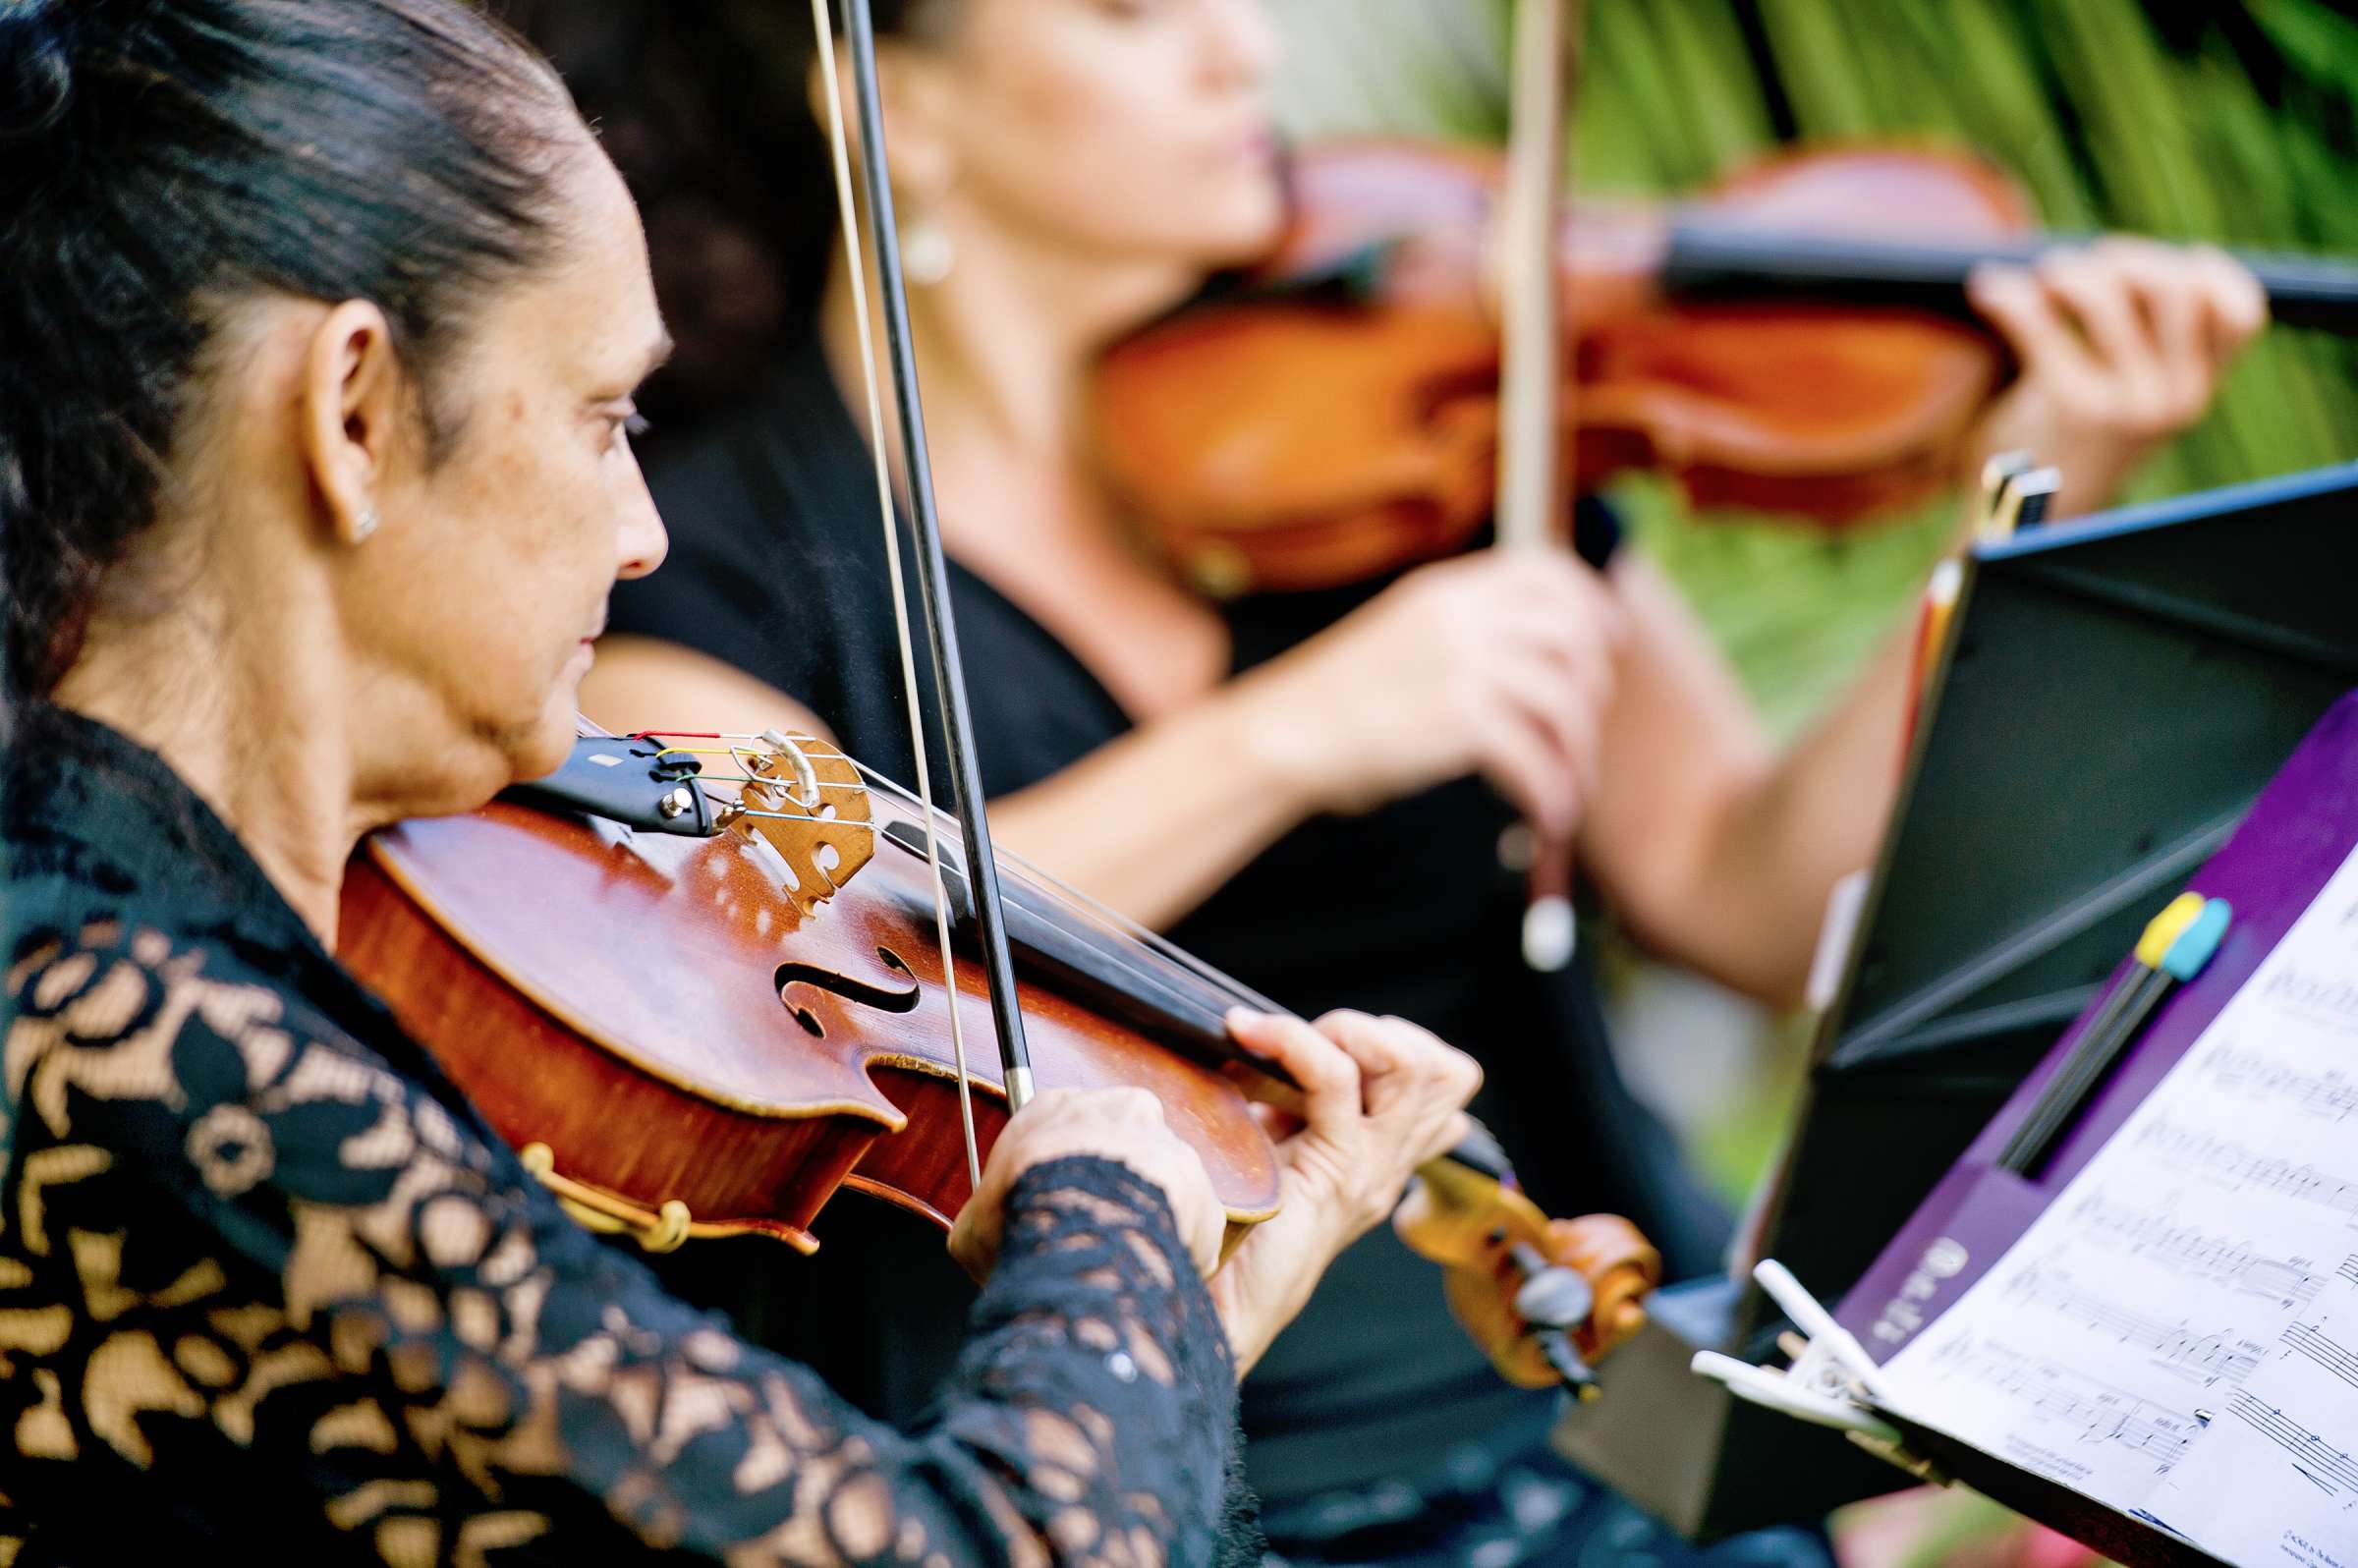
706	108
161	160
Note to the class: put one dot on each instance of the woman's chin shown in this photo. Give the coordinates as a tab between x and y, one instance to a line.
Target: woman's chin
1242	230
542	747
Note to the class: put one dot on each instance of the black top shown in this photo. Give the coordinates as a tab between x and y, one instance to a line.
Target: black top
263	1268
777	566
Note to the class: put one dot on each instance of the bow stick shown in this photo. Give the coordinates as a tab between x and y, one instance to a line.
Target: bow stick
1534	465
932	570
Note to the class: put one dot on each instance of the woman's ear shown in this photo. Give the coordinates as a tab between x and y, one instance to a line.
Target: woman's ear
914	86
351	404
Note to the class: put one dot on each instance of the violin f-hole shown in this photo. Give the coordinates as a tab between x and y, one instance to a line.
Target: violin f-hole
891	1000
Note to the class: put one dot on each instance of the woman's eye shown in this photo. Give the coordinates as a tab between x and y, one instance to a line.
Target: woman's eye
626	429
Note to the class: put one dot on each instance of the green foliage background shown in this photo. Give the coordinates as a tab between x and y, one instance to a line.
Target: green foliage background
2232	123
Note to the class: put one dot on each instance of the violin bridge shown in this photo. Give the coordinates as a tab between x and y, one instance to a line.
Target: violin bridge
806	800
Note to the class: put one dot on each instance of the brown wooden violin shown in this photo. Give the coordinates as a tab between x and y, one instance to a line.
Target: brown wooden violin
1796	339
705	998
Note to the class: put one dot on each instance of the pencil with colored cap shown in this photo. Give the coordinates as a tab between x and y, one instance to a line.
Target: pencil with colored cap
2176	944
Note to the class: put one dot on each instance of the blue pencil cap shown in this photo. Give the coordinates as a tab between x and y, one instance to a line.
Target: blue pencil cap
2195	944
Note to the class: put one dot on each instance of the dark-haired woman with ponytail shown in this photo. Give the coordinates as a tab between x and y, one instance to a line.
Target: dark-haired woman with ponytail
320	322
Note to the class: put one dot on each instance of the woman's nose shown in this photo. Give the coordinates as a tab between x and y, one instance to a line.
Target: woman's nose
644	542
1243	42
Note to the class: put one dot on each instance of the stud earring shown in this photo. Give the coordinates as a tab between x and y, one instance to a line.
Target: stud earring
363	525
927	252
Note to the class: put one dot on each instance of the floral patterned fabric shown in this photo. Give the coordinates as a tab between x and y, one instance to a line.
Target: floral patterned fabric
265	1279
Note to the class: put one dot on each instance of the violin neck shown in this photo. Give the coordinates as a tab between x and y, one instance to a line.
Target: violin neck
1723	260
1181	1003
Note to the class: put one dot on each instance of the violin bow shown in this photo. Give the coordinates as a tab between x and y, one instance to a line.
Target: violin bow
932	570
1533	474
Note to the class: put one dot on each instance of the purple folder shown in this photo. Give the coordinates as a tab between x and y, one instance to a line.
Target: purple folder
2291	842
2294	838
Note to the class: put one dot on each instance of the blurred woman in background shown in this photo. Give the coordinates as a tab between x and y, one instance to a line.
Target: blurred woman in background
1308	789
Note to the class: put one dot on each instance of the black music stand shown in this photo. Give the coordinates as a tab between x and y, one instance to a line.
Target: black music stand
2114	694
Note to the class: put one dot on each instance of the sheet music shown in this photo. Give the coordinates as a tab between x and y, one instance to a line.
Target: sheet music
2177	1334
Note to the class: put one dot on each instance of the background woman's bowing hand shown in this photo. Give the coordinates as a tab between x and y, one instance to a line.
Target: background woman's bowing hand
1379	1097
2122	344
1499	663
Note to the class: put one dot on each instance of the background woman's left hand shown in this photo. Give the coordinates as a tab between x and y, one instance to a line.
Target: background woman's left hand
2122	344
1379	1097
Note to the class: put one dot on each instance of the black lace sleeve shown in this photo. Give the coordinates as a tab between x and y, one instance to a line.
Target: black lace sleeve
244	1264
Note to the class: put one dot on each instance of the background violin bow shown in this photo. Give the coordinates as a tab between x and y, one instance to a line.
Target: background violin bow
1534	459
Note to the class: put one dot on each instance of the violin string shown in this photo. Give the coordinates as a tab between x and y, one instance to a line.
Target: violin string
1074	899
1081	903
821	821
839	146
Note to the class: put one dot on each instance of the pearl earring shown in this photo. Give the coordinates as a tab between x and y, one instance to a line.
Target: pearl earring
927	252
363	525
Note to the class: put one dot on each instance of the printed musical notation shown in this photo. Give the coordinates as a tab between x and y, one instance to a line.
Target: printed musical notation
2325	996
2308	1340
2331	1468
2214	1355
2161	1237
2243	1170
2186	1308
2331	1095
2095	1411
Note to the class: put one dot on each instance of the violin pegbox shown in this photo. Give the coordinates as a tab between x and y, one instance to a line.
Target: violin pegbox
804	800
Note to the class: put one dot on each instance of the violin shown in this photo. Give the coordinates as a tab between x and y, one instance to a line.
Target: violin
702	1002
1795	339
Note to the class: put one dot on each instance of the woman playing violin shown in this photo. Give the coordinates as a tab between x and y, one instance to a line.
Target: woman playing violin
324	325
1297	785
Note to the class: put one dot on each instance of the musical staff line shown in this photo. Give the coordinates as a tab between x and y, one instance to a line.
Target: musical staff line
2211	1355
2163	1240
2330	1097
2330	1467
2326	1353
2348	1270
2245	1170
2101	1412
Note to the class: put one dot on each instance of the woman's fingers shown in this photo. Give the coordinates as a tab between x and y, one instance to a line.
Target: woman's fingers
2175	304
1517	758
2237	305
975	1233
2013	301
2133	328
1325	1073
1570	720
1417	1072
2098	287
1123	1124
